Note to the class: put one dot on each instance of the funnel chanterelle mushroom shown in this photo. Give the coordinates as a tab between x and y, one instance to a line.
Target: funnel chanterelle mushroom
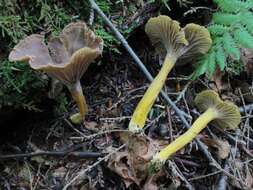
171	43
65	58
221	113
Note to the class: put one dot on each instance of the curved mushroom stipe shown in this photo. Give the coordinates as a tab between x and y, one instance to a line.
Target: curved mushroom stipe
65	58
221	113
171	43
77	94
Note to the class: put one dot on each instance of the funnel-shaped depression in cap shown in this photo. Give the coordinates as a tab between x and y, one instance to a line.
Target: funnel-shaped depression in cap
65	57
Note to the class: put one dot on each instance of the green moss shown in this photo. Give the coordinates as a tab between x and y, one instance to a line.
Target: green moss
20	86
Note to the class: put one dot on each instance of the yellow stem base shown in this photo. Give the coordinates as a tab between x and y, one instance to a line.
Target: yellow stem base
77	94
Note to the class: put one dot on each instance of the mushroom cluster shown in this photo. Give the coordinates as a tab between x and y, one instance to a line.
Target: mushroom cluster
172	44
65	58
223	114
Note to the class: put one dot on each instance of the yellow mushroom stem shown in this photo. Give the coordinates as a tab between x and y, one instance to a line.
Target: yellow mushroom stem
77	94
202	121
141	112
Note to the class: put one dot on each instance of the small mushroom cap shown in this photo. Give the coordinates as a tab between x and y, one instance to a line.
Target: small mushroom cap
199	41
168	37
66	57
228	113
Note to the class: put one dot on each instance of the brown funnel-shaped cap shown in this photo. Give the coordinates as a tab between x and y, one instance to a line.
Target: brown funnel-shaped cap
66	57
228	113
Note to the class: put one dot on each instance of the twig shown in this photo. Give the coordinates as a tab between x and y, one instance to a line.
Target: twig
99	134
81	173
204	176
186	162
180	113
170	123
91	17
113	119
194	10
222	185
246	108
78	154
72	127
182	93
176	171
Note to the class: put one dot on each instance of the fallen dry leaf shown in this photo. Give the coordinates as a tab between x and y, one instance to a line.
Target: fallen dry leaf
249	179
132	163
60	172
222	147
119	164
92	126
141	151
219	83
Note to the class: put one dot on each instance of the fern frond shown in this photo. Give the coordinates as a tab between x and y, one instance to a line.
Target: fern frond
217	29
247	20
243	37
226	19
227	6
211	63
248	4
233	6
201	67
220	56
230	46
231	29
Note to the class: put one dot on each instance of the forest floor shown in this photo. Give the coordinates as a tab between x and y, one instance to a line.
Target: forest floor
41	151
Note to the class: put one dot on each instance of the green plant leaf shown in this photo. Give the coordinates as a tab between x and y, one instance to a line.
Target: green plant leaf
248	21
220	57
243	37
234	6
226	19
217	29
227	6
231	28
230	46
201	68
211	63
